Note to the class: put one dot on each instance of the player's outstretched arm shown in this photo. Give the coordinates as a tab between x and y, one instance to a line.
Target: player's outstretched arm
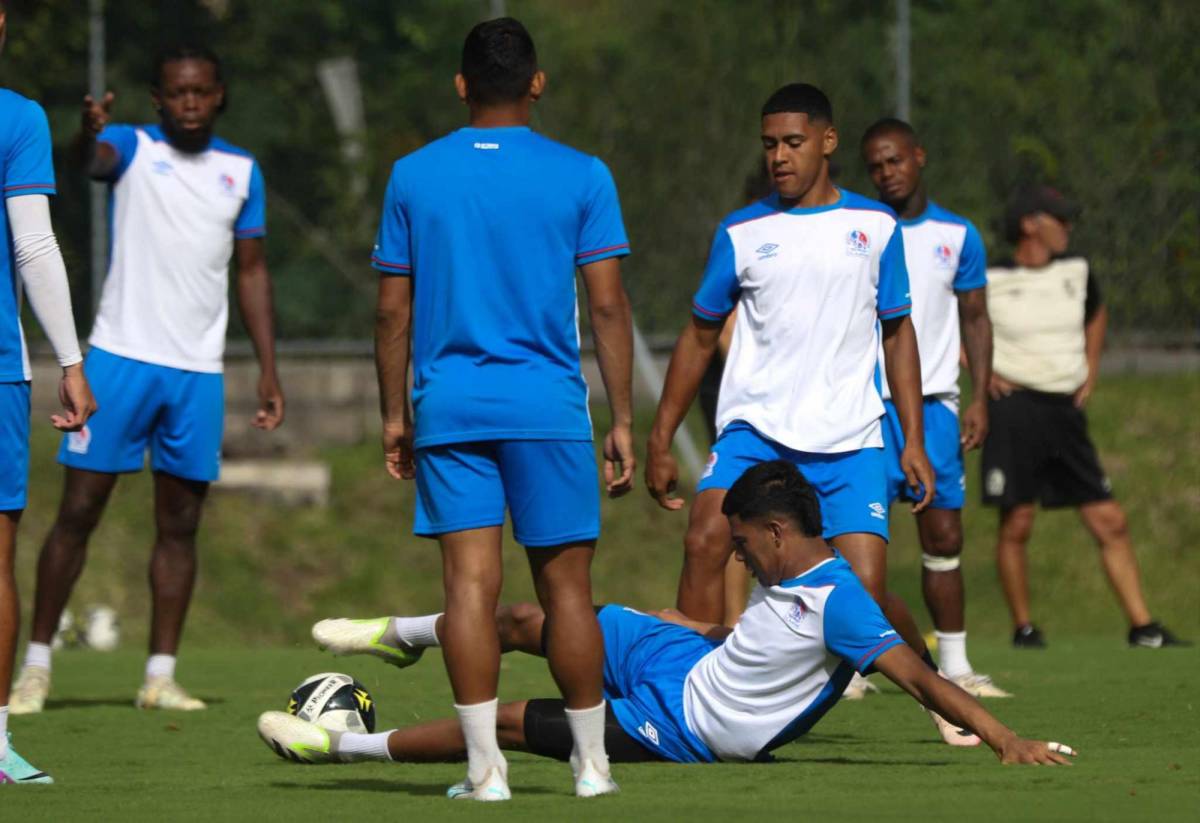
693	351
612	330
902	666
975	327
903	365
255	303
100	159
393	322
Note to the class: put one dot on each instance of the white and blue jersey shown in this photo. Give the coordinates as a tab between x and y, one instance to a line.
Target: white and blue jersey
174	218
785	664
491	225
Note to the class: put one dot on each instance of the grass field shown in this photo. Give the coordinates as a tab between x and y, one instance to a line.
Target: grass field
1132	714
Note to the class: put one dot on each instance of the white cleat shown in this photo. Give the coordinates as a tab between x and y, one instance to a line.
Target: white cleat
375	637
591	782
858	688
493	788
297	740
165	693
979	685
952	734
30	691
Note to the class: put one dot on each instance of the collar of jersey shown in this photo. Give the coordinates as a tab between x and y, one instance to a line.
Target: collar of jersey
494	129
793	582
930	206
773	202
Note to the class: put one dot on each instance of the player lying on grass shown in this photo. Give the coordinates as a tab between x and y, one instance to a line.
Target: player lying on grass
679	690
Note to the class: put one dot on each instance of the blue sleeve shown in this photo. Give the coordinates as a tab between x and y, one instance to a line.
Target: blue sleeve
392	253
29	165
855	628
719	288
602	232
972	262
124	141
893	299
252	219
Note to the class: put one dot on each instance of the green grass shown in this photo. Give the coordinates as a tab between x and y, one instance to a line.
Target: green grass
1132	714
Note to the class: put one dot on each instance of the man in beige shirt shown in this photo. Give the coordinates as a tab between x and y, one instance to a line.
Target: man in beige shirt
1049	325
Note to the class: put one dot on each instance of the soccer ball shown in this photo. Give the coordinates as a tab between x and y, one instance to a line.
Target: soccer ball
334	701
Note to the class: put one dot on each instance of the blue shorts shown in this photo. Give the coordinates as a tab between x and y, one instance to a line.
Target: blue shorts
646	662
942	447
850	485
179	415
14	445
550	488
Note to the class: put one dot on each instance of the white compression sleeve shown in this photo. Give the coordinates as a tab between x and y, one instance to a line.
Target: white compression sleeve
40	265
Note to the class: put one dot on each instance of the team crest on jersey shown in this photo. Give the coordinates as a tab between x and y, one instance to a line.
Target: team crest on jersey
78	442
767	250
227	184
943	256
858	243
162	167
994	483
712	464
797	613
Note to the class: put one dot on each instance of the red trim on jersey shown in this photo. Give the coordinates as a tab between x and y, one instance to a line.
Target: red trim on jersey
886	312
601	251
893	640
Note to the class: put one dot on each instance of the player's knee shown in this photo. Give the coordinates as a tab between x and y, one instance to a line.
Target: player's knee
1111	524
943	546
512	619
78	516
1017	525
706	545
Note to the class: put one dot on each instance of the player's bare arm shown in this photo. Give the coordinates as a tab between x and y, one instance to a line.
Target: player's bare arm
900	665
975	328
693	351
713	631
1093	335
612	331
903	366
256	306
100	159
393	324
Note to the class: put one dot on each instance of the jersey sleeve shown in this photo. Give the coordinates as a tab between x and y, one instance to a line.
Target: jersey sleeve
29	166
1092	301
855	628
719	288
972	262
252	219
124	142
602	232
392	253
893	298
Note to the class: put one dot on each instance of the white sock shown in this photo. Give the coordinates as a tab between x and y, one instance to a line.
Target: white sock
418	632
3	732
483	751
352	747
587	727
160	665
952	653
38	654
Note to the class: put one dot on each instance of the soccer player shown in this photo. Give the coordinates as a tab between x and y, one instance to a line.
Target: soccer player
183	202
946	265
813	271
693	692
1049	332
30	251
481	235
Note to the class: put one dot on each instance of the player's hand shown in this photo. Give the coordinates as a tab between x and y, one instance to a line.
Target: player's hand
96	114
270	403
619	461
974	424
1035	752
999	387
1084	392
662	475
75	395
917	474
398	449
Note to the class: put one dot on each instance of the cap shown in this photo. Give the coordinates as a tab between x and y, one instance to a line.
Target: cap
1036	200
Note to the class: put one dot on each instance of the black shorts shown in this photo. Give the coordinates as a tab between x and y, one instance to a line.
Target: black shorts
1038	451
548	734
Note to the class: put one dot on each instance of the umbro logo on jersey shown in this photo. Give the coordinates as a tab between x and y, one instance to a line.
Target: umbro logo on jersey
858	243
487	146
649	732
943	256
878	511
162	167
888	633
767	250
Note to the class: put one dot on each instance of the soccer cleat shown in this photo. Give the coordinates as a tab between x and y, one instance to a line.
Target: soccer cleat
1154	636
494	787
165	693
952	734
16	769
29	692
979	685
591	782
376	637
298	740
1028	636
858	688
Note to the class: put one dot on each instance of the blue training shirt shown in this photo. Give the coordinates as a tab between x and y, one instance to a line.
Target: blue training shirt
26	167
491	225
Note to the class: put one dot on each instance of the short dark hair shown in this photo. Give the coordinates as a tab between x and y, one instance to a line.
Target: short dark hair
800	98
498	61
775	488
184	51
889	125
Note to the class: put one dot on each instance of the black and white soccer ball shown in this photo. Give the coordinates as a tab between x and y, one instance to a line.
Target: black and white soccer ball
334	701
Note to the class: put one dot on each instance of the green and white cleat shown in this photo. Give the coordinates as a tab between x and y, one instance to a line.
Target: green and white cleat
16	770
979	685
858	688
591	782
29	692
493	788
298	740
377	637
165	693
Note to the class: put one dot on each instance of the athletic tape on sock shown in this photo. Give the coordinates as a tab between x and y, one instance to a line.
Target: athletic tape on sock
936	563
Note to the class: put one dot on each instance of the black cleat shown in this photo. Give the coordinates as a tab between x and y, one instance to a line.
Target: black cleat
1029	636
1153	636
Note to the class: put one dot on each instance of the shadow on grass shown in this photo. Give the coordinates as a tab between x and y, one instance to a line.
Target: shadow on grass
859	761
385	785
108	702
